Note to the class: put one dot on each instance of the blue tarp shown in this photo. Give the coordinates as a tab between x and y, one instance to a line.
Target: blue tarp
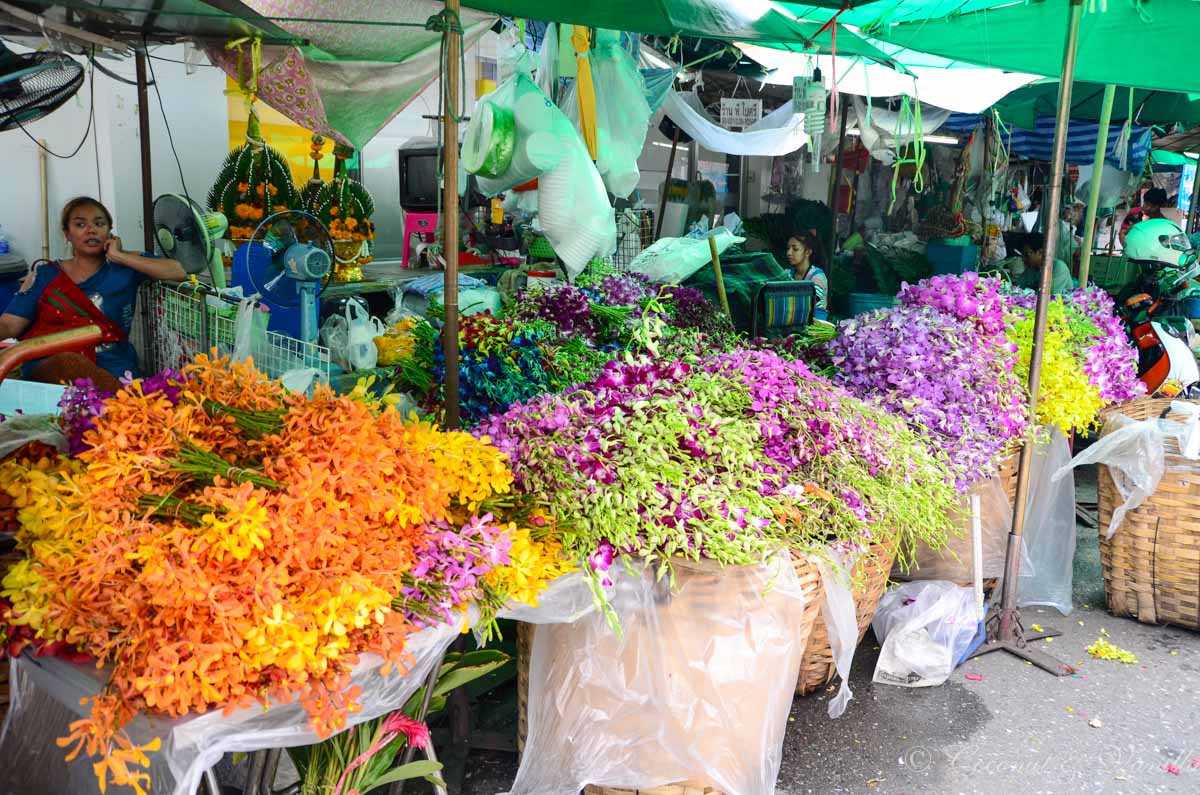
1037	144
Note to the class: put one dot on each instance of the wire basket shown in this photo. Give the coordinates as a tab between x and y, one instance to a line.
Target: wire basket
635	233
182	321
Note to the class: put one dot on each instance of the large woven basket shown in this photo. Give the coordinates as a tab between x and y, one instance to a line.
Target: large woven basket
871	572
1151	565
810	586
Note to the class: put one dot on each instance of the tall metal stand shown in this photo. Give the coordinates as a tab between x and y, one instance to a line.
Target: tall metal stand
1005	632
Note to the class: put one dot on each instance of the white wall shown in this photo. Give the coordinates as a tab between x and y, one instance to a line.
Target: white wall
108	165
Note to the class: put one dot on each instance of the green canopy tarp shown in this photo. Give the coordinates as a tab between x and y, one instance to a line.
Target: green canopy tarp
1150	108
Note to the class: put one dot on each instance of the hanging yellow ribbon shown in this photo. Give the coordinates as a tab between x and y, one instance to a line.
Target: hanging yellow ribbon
585	91
248	85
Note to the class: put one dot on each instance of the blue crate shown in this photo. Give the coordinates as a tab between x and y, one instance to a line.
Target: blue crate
29	397
865	302
947	259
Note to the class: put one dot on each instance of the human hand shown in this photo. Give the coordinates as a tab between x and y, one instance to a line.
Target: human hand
113	249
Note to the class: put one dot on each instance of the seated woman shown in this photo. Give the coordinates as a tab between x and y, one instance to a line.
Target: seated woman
806	254
97	285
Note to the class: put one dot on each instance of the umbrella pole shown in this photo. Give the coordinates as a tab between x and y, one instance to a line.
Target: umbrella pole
1005	632
144	145
1192	210
837	186
450	213
1089	226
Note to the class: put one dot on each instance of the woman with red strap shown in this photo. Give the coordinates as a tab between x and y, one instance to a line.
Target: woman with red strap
97	285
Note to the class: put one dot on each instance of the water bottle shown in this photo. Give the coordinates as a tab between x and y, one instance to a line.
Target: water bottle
3	242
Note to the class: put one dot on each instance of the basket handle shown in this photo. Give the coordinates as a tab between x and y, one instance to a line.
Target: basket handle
47	345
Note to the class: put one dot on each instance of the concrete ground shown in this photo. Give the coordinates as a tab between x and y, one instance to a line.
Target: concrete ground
1017	729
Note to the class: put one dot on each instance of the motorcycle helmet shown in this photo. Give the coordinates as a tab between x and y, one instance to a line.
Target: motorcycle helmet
1158	242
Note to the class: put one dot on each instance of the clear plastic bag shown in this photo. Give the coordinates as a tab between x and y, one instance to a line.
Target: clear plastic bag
1135	453
923	629
18	430
351	335
841	621
670	260
45	696
697	687
1049	529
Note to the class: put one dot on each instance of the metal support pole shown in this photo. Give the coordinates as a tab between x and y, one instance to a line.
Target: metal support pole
1192	211
1089	226
1006	632
837	185
450	213
144	141
662	200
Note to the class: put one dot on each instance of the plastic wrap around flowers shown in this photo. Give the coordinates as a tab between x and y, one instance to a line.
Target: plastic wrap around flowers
728	458
219	541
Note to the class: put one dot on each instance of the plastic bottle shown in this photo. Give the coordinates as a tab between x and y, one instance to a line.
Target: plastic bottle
4	247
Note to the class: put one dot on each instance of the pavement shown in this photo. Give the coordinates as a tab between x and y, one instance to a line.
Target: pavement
1113	728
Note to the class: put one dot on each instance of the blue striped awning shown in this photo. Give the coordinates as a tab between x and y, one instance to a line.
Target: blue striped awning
1038	144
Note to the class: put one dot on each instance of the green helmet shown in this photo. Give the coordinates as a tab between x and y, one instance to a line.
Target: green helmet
1158	242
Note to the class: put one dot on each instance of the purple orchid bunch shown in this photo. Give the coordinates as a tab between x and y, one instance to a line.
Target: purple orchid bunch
564	305
452	563
728	458
1111	360
619	289
966	297
946	375
82	402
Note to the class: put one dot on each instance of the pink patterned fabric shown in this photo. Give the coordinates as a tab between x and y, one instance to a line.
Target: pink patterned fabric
285	84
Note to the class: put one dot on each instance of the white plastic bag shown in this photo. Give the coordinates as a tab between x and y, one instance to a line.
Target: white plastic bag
350	337
670	260
923	629
841	620
697	687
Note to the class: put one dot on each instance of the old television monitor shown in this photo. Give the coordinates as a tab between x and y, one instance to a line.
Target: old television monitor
419	179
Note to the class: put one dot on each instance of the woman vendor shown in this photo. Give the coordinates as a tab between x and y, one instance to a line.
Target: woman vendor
805	255
97	285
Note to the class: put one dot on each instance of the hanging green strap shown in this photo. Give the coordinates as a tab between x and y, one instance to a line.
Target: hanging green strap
910	112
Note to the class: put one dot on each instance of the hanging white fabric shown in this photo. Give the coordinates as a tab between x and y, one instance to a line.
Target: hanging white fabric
780	132
878	134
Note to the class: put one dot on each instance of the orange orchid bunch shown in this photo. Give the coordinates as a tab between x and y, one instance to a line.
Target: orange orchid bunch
227	542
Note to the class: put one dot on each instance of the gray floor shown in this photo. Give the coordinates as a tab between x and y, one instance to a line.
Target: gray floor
1019	730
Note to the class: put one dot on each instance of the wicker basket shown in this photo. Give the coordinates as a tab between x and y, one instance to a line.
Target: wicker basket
818	669
1151	565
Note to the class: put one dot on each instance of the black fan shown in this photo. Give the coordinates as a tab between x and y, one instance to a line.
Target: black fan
34	84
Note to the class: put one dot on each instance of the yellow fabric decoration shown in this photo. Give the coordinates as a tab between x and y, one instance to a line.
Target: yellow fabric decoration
585	92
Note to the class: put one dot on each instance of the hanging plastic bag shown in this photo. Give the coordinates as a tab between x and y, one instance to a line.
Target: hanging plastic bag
1049	529
841	621
249	330
924	628
622	113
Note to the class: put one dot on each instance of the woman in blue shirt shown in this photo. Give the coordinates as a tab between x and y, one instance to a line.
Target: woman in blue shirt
805	254
96	285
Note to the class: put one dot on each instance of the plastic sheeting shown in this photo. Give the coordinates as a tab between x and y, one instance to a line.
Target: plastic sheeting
622	113
46	691
19	430
1048	544
780	132
696	687
1135	453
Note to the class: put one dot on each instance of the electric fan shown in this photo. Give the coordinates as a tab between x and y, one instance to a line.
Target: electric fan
34	84
287	262
188	234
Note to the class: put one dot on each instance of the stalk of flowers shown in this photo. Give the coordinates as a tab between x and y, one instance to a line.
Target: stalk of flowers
1111	364
966	297
230	592
953	382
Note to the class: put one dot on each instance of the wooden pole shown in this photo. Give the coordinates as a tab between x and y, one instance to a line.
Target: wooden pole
144	142
718	277
450	215
662	200
1089	225
44	181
